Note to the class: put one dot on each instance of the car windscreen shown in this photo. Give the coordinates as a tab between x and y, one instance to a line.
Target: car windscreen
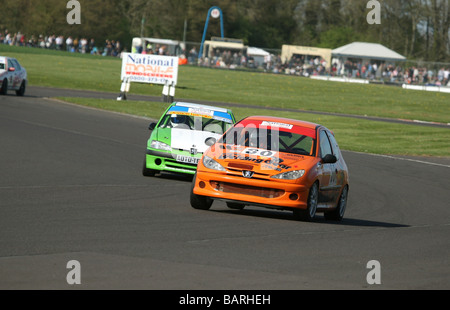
214	122
272	138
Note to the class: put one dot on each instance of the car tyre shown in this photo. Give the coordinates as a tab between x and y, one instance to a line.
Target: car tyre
197	201
235	205
310	212
21	90
4	89
338	213
147	172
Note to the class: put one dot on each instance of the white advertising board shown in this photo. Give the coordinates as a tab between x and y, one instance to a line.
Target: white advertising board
149	68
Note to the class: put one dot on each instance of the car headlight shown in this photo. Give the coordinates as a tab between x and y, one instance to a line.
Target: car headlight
160	146
210	163
290	175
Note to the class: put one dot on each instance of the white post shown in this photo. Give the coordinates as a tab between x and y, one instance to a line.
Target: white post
165	91
172	93
124	88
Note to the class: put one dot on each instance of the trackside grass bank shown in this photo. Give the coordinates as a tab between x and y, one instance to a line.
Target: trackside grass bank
352	134
76	71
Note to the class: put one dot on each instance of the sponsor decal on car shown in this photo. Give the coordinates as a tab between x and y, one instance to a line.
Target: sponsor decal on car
276	124
187	159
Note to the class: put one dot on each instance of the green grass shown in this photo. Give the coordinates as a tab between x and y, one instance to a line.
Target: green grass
353	134
66	70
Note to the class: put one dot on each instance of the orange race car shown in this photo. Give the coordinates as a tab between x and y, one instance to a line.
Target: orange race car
274	163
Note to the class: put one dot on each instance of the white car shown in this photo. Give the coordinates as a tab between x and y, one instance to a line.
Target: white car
12	76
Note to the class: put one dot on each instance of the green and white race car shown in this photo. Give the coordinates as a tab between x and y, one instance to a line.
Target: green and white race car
178	140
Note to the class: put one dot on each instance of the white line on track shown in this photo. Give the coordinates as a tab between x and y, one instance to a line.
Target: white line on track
405	159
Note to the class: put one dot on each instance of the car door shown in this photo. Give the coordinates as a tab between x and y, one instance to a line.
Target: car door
340	166
16	81
10	74
337	169
326	175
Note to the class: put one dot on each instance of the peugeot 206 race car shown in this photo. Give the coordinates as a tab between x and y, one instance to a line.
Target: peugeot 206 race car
12	76
275	163
177	141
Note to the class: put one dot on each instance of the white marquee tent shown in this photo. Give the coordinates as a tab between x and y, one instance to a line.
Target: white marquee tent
364	50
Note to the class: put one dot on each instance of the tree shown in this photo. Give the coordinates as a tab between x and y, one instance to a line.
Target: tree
414	28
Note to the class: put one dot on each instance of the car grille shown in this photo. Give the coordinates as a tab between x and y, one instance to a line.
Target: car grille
175	164
236	170
246	190
240	166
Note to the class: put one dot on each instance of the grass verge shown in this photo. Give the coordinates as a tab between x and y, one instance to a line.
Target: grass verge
353	134
77	71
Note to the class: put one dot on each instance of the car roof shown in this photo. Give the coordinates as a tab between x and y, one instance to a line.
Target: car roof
200	106
284	120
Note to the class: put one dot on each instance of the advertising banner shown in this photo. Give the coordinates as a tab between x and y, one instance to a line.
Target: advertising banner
149	68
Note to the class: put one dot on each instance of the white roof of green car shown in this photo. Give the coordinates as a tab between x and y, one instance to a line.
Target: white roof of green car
200	106
3	62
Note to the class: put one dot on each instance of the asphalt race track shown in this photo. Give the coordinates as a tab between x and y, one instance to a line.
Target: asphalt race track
71	189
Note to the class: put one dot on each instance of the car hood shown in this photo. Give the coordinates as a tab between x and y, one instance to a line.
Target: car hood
259	160
187	139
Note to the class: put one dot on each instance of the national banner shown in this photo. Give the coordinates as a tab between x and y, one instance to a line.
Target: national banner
149	68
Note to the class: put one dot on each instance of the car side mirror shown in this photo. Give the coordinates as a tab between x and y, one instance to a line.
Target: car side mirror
11	69
210	141
329	159
151	126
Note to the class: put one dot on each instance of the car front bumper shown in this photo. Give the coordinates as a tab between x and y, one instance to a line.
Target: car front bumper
278	195
164	161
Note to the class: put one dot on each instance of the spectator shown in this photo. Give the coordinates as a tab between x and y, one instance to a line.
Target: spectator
91	45
59	40
69	43
75	46
83	45
193	56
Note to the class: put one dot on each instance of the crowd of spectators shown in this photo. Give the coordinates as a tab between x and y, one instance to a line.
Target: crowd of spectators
393	73
302	65
223	59
61	43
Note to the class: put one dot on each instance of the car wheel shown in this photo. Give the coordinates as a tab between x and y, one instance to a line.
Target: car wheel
197	201
338	213
235	205
21	90
4	89
310	212
147	172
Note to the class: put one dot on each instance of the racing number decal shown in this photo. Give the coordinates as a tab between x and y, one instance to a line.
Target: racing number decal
258	152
